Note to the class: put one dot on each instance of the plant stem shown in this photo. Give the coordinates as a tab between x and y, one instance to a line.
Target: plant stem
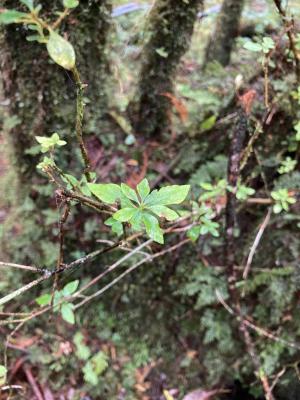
79	120
266	80
289	24
88	201
62	16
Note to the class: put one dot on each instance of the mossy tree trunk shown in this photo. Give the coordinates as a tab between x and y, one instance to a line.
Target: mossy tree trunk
171	25
39	98
226	30
41	95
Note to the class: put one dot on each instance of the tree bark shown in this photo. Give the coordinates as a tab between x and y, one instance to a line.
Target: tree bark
39	99
171	25
41	95
226	30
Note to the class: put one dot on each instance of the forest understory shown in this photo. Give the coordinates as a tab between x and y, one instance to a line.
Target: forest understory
150	198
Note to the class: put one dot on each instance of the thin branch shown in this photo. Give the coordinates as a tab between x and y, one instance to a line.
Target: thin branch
257	132
148	258
254	200
79	121
31	380
62	16
266	80
23	289
60	259
20	266
45	309
11	387
260	331
114	266
49	274
235	161
289	24
256	243
88	201
277	377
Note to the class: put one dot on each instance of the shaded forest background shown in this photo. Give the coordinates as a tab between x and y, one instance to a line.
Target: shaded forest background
205	93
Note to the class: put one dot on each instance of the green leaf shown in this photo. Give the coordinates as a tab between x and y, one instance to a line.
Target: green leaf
206	186
209	227
70	3
100	363
277	208
46	163
125	202
243	192
201	97
267	44
38	9
162	52
34	27
89	374
143	189
3	373
208	123
174	194
48	143
67	313
57	297
44	299
297	129
82	351
28	3
71	180
106	192
95	367
252	46
35	38
163	211
129	193
125	214
136	221
153	229
61	51
12	16
116	226
130	140
194	233
70	288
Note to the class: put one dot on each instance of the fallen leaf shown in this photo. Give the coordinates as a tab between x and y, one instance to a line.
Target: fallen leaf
132	162
23	342
179	106
201	394
136	178
247	100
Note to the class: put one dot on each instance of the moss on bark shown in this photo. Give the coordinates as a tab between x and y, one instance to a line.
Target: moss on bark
171	26
41	95
227	26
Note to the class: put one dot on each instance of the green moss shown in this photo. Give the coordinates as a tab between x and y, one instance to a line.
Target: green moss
171	26
226	30
42	100
42	95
